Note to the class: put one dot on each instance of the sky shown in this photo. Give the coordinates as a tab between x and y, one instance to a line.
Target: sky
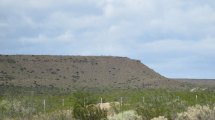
176	38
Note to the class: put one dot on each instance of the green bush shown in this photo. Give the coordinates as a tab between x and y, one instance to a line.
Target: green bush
90	112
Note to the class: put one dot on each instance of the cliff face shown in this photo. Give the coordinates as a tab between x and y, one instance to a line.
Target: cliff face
79	71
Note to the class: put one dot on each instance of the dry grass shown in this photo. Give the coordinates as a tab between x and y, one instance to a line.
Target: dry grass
160	118
126	115
59	115
197	112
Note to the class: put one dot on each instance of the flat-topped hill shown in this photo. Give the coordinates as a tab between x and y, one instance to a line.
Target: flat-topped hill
74	72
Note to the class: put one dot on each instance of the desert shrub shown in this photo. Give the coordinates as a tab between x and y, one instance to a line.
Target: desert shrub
126	115
115	107
149	111
160	118
85	109
16	108
4	106
197	112
90	112
58	115
158	106
53	72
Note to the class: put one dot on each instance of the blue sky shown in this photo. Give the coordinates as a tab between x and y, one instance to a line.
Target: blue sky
174	37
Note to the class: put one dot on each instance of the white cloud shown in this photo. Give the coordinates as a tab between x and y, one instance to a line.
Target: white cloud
2	25
200	47
36	40
66	37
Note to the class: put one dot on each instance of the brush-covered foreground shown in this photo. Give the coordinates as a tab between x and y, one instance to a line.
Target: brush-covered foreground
156	104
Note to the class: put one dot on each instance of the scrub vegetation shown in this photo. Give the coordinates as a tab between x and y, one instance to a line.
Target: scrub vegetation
136	104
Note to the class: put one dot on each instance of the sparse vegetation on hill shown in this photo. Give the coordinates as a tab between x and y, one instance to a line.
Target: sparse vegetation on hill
80	72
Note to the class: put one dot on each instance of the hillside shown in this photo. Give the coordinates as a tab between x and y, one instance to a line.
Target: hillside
74	72
207	83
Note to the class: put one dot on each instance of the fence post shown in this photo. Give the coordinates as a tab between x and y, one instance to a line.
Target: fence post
121	101
196	99
63	102
101	100
44	105
143	100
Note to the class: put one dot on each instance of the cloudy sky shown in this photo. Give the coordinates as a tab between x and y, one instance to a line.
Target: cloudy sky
174	37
